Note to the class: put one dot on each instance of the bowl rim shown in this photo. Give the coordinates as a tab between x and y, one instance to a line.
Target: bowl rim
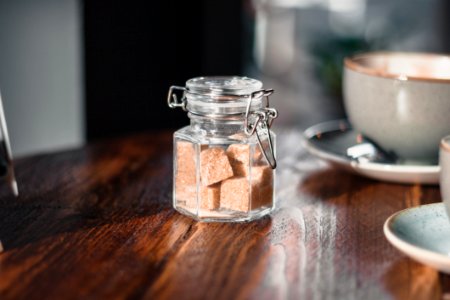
353	63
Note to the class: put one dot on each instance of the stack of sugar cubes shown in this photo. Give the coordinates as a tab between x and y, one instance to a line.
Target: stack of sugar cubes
234	178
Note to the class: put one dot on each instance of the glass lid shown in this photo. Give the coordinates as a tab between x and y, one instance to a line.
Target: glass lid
223	85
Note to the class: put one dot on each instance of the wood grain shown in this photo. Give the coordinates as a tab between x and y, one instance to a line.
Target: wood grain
97	223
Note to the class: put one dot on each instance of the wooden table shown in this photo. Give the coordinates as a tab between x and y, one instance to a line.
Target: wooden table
97	223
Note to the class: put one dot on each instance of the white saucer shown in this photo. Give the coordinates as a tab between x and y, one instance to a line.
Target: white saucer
329	141
423	234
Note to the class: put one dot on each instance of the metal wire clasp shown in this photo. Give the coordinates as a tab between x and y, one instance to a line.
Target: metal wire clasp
261	120
172	99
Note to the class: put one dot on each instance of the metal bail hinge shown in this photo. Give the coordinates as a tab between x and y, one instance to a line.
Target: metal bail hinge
172	99
249	126
270	157
262	119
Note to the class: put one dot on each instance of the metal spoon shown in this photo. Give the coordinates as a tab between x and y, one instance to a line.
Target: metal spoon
368	151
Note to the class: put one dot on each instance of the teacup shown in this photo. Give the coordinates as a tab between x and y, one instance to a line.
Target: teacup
444	163
400	100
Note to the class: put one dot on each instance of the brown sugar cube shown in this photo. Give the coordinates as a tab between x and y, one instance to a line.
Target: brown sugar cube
242	152
185	194
239	169
238	194
235	194
263	196
186	183
185	155
239	155
185	173
186	163
209	198
214	166
185	177
262	175
262	182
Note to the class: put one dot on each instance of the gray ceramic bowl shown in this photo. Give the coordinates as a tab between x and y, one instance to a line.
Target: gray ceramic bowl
400	100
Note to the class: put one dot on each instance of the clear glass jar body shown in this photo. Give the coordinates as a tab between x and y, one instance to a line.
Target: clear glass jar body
220	172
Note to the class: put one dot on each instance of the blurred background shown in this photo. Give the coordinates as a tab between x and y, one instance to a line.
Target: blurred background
73	71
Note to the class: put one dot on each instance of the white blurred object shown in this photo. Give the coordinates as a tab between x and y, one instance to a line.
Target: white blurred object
274	38
41	74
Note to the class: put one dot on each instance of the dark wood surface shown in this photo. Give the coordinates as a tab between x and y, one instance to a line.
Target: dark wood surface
97	223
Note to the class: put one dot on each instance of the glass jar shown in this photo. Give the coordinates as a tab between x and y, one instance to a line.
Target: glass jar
224	160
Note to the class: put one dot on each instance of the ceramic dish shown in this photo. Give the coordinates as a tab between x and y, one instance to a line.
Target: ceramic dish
422	233
330	141
384	94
